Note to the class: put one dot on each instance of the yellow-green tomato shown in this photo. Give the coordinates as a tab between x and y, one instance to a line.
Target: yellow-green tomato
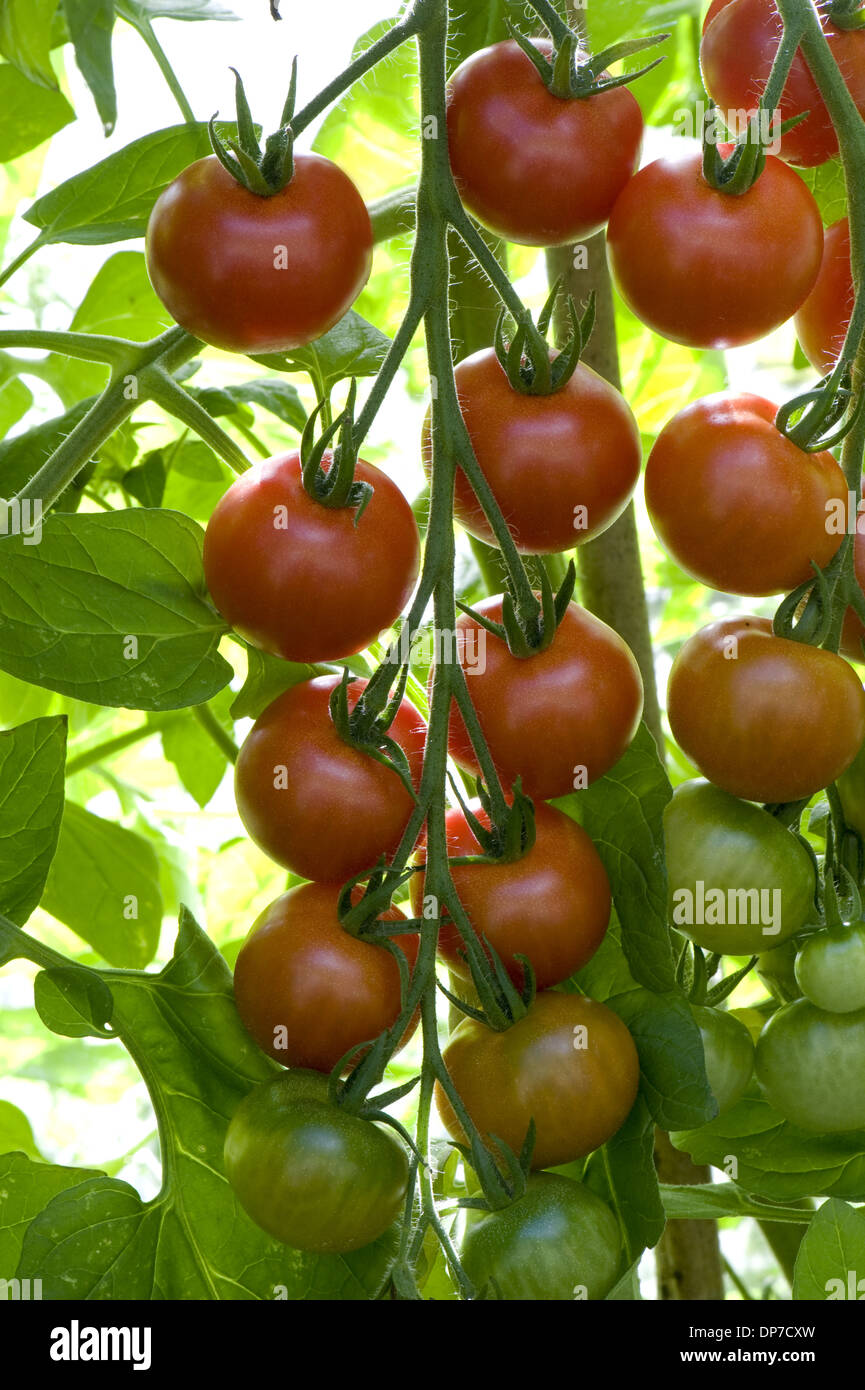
729	1054
830	969
811	1066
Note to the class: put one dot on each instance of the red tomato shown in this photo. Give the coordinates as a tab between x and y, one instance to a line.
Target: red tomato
762	717
824	318
561	467
253	274
315	804
738	505
560	718
307	582
552	906
694	264
739	43
306	990
535	168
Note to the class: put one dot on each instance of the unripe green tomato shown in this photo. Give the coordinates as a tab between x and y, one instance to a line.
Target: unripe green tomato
729	1054
740	881
830	969
811	1066
557	1242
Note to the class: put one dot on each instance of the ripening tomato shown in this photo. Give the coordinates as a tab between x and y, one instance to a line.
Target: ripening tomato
561	467
306	990
693	263
536	168
253	274
570	1064
317	805
811	1066
560	718
309	1172
306	582
552	905
737	504
762	717
740	40
823	320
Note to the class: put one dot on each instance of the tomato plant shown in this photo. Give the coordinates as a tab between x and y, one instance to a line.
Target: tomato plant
809	1064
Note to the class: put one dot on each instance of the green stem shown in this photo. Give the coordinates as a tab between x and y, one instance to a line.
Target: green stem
211	726
165	391
405	28
142	26
87	347
393	214
21	258
110	747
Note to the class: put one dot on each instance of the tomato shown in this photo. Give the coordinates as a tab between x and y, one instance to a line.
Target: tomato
558	1241
811	1066
692	263
740	882
552	906
303	581
253	274
319	806
763	717
560	718
306	990
740	40
853	631
739	506
308	1172
570	1064
823	320
561	467
830	969
729	1054
535	168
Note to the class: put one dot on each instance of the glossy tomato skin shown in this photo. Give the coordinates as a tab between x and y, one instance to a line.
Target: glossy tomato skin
309	1173
823	320
692	262
534	168
558	1241
306	582
738	505
740	40
552	906
830	969
257	275
318	806
306	990
736	849
576	705
811	1066
765	718
729	1054
561	467
570	1064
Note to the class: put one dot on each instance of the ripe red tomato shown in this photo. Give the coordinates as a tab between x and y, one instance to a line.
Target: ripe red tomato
307	582
306	990
552	906
823	320
693	263
570	1064
740	40
319	806
738	505
559	719
762	717
535	168
561	467
253	274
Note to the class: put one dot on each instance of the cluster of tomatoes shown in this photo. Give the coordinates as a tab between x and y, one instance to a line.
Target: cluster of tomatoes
738	504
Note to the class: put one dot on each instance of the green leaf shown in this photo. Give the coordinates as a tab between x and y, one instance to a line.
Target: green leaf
178	9
829	187
31	113
617	19
266	677
110	608
15	398
672	1065
25	38
830	1264
112	200
704	1201
623	1174
193	1241
73	1002
278	397
199	762
27	1189
104	885
32	760
623	815
16	1136
22	456
353	348
628	1287
146	481
91	24
472	26
196	479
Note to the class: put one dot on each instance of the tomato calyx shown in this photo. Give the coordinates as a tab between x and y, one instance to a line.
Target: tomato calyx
263	172
527	633
570	74
846	14
366	726
503	1176
334	485
525	356
504	840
